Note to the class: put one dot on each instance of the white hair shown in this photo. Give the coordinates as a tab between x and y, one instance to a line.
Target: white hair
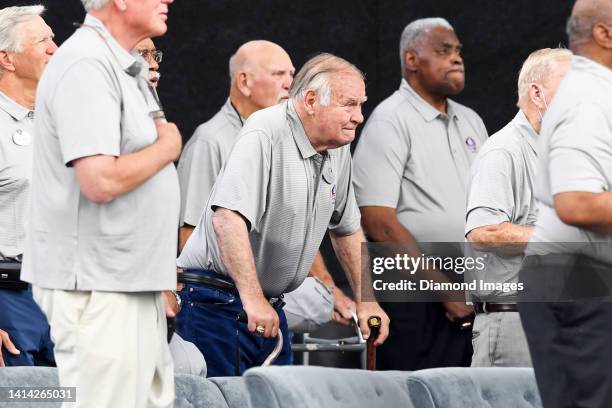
538	66
91	5
414	33
316	75
10	18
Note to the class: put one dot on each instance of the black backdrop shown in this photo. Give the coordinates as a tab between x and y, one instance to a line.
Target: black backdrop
497	36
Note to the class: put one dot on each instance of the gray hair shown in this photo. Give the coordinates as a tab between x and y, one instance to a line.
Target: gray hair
91	5
580	24
538	66
232	67
10	17
236	64
414	33
316	75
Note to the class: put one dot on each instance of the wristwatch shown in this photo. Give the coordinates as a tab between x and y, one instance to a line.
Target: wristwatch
179	301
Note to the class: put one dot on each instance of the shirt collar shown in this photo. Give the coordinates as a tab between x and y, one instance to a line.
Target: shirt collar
232	114
11	107
299	134
128	62
427	111
583	64
527	131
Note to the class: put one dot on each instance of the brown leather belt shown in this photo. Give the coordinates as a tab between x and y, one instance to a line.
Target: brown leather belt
488	307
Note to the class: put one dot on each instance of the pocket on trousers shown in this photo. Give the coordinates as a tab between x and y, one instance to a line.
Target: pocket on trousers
206	295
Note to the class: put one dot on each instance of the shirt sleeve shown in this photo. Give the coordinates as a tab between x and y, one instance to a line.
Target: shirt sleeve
579	147
346	217
242	186
198	168
380	159
87	109
490	199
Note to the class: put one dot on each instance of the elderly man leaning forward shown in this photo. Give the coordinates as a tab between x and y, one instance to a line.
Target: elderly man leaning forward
286	181
501	211
105	200
26	45
261	73
569	256
411	169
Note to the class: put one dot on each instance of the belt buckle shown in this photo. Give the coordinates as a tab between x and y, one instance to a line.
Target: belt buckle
276	301
484	307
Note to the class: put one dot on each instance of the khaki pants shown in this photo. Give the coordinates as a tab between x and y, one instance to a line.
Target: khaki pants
111	346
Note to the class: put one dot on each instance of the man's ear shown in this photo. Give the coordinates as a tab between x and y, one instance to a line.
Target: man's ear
6	61
602	34
243	83
411	60
120	4
536	96
310	101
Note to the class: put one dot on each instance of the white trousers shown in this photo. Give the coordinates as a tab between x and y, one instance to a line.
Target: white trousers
111	346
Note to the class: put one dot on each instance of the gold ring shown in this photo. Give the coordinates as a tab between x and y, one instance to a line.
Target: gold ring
259	330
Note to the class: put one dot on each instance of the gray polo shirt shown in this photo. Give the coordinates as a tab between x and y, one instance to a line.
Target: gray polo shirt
416	159
575	153
288	193
16	134
88	104
202	159
502	190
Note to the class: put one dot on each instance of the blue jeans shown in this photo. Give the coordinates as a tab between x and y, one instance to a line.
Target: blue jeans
208	319
27	327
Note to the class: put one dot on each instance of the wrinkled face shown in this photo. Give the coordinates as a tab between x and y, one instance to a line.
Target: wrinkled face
270	79
439	66
37	47
339	120
148	16
147	49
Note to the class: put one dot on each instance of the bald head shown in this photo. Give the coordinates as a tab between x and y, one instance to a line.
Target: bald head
588	18
261	73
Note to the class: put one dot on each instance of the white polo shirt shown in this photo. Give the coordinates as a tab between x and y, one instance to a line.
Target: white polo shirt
89	103
16	139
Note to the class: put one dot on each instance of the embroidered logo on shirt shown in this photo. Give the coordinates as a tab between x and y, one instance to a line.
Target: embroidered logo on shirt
333	193
471	144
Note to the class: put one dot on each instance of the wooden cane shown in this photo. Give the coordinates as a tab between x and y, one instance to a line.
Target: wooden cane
374	323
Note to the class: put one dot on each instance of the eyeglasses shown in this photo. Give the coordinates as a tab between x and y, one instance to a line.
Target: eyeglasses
155	55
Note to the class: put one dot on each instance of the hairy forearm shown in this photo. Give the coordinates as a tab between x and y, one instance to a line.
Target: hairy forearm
236	252
592	211
319	270
348	251
505	238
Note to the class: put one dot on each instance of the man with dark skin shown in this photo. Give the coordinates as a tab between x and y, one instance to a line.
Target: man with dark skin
407	195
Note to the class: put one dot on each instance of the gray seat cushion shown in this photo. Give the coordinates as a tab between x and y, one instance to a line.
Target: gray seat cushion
305	387
458	387
29	377
234	391
196	391
191	390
